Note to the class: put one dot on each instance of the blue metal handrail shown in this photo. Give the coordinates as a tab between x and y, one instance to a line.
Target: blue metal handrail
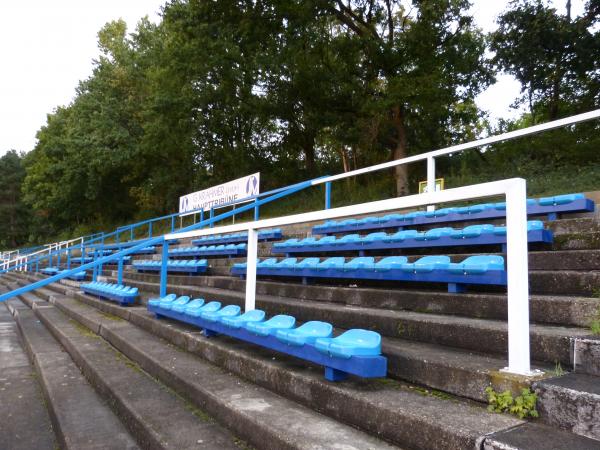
152	241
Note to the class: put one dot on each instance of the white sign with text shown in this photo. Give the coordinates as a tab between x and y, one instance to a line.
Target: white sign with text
236	190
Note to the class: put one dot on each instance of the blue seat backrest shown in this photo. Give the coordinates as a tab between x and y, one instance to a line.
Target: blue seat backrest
307	263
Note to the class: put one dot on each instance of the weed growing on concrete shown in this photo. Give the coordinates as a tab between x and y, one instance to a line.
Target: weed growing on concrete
558	370
522	406
595	323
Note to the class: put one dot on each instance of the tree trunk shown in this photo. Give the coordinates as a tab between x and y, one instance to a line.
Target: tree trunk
399	151
309	153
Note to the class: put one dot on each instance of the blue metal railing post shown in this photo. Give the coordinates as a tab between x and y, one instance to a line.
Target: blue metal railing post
58	259
131	233
150	229
95	271
256	210
172	223
212	214
120	271
202	215
163	269
51	259
69	259
328	195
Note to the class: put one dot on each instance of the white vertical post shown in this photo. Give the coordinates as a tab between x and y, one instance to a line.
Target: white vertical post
251	269
430	178
518	279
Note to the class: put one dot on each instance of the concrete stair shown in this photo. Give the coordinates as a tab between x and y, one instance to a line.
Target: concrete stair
443	349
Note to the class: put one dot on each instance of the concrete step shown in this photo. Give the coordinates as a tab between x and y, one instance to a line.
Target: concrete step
538	436
265	419
404	414
586	355
23	409
141	402
571	402
81	419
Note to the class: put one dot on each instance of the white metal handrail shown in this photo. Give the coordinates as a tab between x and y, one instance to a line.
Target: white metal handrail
513	189
20	261
430	156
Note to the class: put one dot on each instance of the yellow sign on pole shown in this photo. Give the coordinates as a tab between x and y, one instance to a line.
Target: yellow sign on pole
439	185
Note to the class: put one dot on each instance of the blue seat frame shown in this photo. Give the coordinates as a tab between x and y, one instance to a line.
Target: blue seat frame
336	369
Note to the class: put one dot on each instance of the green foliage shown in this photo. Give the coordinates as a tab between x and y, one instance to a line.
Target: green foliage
14	215
522	406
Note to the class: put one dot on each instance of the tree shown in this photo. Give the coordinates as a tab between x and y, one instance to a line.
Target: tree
553	56
14	215
422	67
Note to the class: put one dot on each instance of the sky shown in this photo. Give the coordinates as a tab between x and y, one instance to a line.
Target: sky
46	47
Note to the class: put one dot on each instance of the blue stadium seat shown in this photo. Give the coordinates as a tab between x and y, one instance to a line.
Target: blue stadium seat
351	343
560	199
156	301
183	300
180	304
196	310
477	264
390	262
255	315
374	237
427	264
279	322
306	333
288	263
227	311
362	262
433	234
355	352
331	263
119	293
307	263
194	306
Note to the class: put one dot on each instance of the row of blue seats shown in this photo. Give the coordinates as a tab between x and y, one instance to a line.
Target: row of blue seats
210	250
192	266
124	295
77	276
265	235
550	206
356	351
479	269
88	259
437	237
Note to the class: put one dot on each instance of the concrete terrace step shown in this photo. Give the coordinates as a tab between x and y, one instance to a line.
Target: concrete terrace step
265	419
81	419
404	414
23	409
571	402
142	409
142	403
